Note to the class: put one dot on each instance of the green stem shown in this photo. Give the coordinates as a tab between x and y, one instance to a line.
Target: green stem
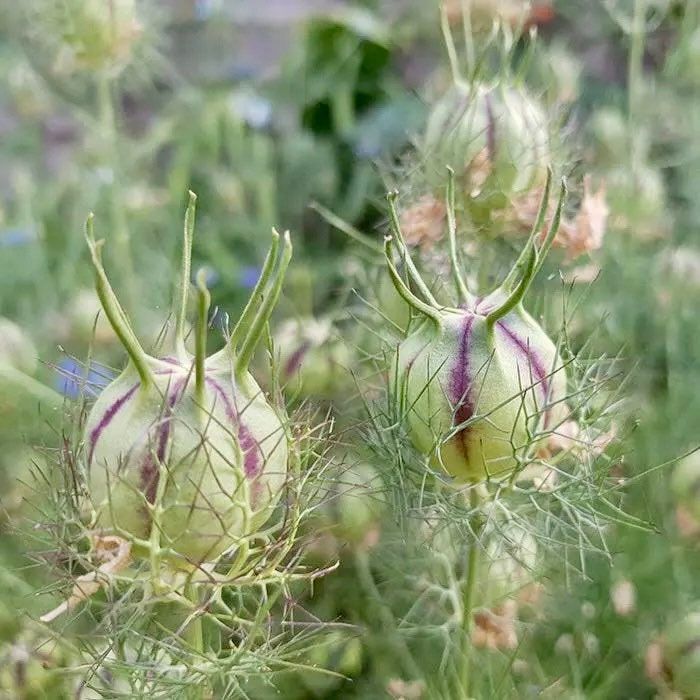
553	229
532	239
346	228
269	301
193	633
343	106
468	36
118	223
384	615
113	309
32	386
243	324
181	311
635	71
408	296
464	296
200	353
449	44
469	592
403	249
516	295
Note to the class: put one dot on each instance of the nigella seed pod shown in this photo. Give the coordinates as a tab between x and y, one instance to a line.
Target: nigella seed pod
476	381
314	360
186	451
495	138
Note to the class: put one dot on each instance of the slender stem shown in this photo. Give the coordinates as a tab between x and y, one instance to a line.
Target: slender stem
193	633
635	72
243	324
469	590
181	312
384	614
264	312
449	44
200	353
464	296
42	393
516	296
408	296
349	230
553	229
118	223
468	35
113	310
403	248
343	110
532	239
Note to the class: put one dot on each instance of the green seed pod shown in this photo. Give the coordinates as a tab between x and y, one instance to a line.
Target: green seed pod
685	483
188	449
496	140
358	505
681	655
314	360
478	379
97	37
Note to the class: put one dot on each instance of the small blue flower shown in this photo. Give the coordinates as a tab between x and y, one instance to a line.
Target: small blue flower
253	109
16	237
203	9
72	380
249	276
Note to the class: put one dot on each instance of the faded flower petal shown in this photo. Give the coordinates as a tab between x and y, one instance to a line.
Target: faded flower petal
495	628
587	230
423	222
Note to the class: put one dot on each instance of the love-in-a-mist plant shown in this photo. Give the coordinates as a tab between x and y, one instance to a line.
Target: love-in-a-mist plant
185	455
477	379
185	460
493	437
475	385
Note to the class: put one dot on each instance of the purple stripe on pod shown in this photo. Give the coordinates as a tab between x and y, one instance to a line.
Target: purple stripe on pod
106	419
171	360
460	384
534	363
296	358
149	471
252	462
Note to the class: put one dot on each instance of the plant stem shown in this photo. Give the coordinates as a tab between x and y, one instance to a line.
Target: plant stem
635	73
117	219
469	592
193	634
386	619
